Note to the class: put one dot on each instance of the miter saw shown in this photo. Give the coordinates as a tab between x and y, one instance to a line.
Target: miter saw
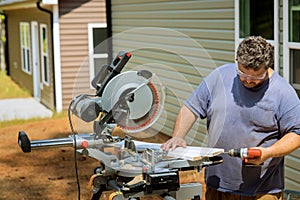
133	101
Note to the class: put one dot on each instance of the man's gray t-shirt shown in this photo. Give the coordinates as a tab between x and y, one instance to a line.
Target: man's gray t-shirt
239	117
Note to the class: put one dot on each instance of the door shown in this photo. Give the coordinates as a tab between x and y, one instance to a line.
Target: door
35	60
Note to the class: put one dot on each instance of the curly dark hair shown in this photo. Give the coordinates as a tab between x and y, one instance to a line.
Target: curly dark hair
255	52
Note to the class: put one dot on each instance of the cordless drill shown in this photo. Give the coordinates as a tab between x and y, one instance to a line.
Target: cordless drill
244	153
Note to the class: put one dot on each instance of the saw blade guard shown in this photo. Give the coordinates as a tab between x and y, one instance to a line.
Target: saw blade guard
136	99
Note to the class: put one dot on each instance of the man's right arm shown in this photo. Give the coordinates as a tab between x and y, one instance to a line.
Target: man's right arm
184	122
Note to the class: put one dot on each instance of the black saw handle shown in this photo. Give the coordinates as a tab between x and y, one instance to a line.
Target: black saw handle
112	70
24	142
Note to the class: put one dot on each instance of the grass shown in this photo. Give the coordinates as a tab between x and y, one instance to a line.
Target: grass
9	89
23	121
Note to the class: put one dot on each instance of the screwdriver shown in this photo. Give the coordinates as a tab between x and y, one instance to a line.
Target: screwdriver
244	153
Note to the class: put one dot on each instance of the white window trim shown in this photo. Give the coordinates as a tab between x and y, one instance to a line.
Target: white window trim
92	56
286	44
274	42
44	54
26	69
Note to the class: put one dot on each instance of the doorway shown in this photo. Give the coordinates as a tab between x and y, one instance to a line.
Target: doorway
35	60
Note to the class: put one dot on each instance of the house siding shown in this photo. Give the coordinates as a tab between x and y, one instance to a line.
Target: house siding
14	17
292	161
182	41
74	17
292	175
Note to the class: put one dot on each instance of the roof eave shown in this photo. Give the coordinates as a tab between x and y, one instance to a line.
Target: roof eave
17	4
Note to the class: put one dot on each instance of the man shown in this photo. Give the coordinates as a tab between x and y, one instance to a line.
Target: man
246	104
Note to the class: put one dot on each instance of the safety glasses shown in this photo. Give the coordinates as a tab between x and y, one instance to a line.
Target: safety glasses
246	76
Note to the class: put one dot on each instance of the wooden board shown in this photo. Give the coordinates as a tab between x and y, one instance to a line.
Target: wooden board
194	153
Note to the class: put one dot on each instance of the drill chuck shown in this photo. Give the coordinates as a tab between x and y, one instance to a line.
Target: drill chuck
245	153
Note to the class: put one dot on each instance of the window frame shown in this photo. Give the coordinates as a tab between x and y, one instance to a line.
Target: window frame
44	55
25	46
93	56
288	46
275	42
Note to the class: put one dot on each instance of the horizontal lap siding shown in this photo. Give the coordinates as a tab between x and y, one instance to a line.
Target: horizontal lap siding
74	19
292	161
181	41
292	175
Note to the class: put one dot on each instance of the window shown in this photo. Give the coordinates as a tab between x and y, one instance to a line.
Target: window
294	42
257	18
98	47
294	21
25	47
295	64
44	54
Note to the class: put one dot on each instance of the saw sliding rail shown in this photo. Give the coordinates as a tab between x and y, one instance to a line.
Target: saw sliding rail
27	145
51	143
82	141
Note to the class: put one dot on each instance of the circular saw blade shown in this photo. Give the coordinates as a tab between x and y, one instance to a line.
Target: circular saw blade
135	101
143	122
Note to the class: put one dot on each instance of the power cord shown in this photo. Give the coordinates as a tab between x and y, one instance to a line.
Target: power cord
75	149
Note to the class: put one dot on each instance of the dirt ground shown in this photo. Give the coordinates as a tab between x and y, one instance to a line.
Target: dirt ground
46	174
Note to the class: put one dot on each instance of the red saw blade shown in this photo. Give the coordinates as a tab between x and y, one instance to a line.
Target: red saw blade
140	124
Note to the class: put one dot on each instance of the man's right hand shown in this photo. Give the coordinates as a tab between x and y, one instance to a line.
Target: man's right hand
173	143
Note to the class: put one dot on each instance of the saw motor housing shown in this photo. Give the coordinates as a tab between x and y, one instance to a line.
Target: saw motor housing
132	100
